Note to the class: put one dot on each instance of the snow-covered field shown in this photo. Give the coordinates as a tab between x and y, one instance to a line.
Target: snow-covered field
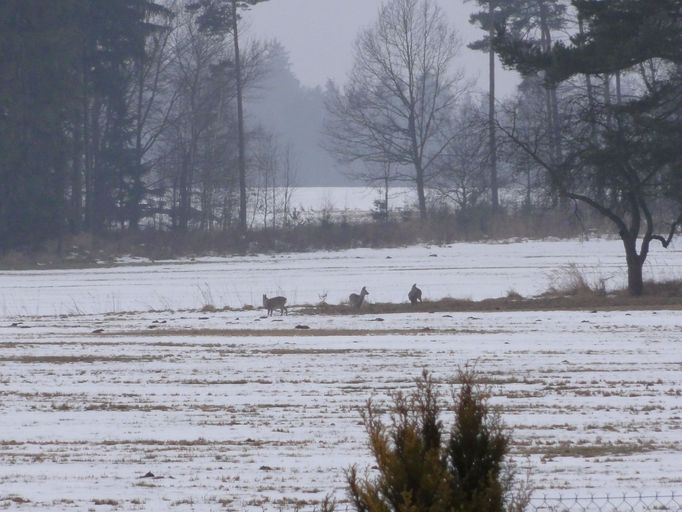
465	270
232	411
353	200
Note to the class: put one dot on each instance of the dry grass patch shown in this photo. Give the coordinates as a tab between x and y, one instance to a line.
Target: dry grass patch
572	291
587	450
110	502
294	333
12	498
620	301
75	359
108	406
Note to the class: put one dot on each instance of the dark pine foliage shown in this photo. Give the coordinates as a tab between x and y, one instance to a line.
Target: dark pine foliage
37	47
65	72
220	17
422	467
620	154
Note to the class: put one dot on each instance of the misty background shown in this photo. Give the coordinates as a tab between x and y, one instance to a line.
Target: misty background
317	39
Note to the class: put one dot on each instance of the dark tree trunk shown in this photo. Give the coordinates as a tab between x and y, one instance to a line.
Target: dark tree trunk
76	213
240	120
137	195
635	278
185	193
95	202
635	266
491	116
421	194
386	185
552	102
417	162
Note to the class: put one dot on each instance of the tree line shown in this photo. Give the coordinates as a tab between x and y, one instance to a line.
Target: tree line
112	112
123	114
595	123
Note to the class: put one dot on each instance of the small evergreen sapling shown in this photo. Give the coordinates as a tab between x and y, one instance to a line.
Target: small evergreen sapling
417	469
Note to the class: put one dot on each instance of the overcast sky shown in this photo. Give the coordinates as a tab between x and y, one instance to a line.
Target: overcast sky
319	35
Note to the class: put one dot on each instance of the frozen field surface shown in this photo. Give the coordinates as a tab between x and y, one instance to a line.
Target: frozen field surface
107	374
257	419
465	270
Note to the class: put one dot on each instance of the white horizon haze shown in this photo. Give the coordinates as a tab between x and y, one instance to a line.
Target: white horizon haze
320	34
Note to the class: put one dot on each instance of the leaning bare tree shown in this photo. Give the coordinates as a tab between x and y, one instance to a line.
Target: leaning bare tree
400	93
621	159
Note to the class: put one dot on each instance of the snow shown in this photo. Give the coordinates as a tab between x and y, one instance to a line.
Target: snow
268	421
466	270
355	200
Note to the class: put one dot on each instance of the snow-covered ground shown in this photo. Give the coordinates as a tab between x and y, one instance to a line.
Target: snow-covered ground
463	270
355	200
232	411
251	422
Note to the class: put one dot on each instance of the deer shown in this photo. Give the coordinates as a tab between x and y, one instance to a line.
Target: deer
415	295
275	303
356	300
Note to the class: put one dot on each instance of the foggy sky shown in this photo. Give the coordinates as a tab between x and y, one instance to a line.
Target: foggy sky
319	35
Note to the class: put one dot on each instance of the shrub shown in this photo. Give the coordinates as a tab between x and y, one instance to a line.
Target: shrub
418	469
572	281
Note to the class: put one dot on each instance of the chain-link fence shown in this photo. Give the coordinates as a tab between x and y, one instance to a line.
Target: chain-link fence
651	502
608	503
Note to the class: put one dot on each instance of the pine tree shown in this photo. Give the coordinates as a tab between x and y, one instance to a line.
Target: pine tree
476	451
36	53
494	13
222	17
622	157
114	35
418	470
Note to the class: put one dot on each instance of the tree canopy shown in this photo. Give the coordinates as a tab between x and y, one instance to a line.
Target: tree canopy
622	155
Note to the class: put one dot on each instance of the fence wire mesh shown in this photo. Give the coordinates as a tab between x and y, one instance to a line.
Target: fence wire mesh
609	503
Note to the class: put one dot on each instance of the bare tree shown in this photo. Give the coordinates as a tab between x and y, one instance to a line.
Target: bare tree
528	113
265	160
152	100
276	174
220	17
463	178
288	183
194	58
400	93
627	172
201	139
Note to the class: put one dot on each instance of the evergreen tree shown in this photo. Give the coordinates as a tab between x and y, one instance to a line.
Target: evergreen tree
476	451
493	13
65	70
418	470
221	17
115	35
628	148
37	49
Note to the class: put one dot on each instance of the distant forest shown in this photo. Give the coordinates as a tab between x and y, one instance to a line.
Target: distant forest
115	111
122	115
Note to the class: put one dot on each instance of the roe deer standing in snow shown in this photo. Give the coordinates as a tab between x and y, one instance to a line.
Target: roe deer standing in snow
357	300
415	294
275	303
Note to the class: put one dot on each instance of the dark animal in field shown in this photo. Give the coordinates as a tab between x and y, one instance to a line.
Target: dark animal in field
415	294
356	300
275	303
